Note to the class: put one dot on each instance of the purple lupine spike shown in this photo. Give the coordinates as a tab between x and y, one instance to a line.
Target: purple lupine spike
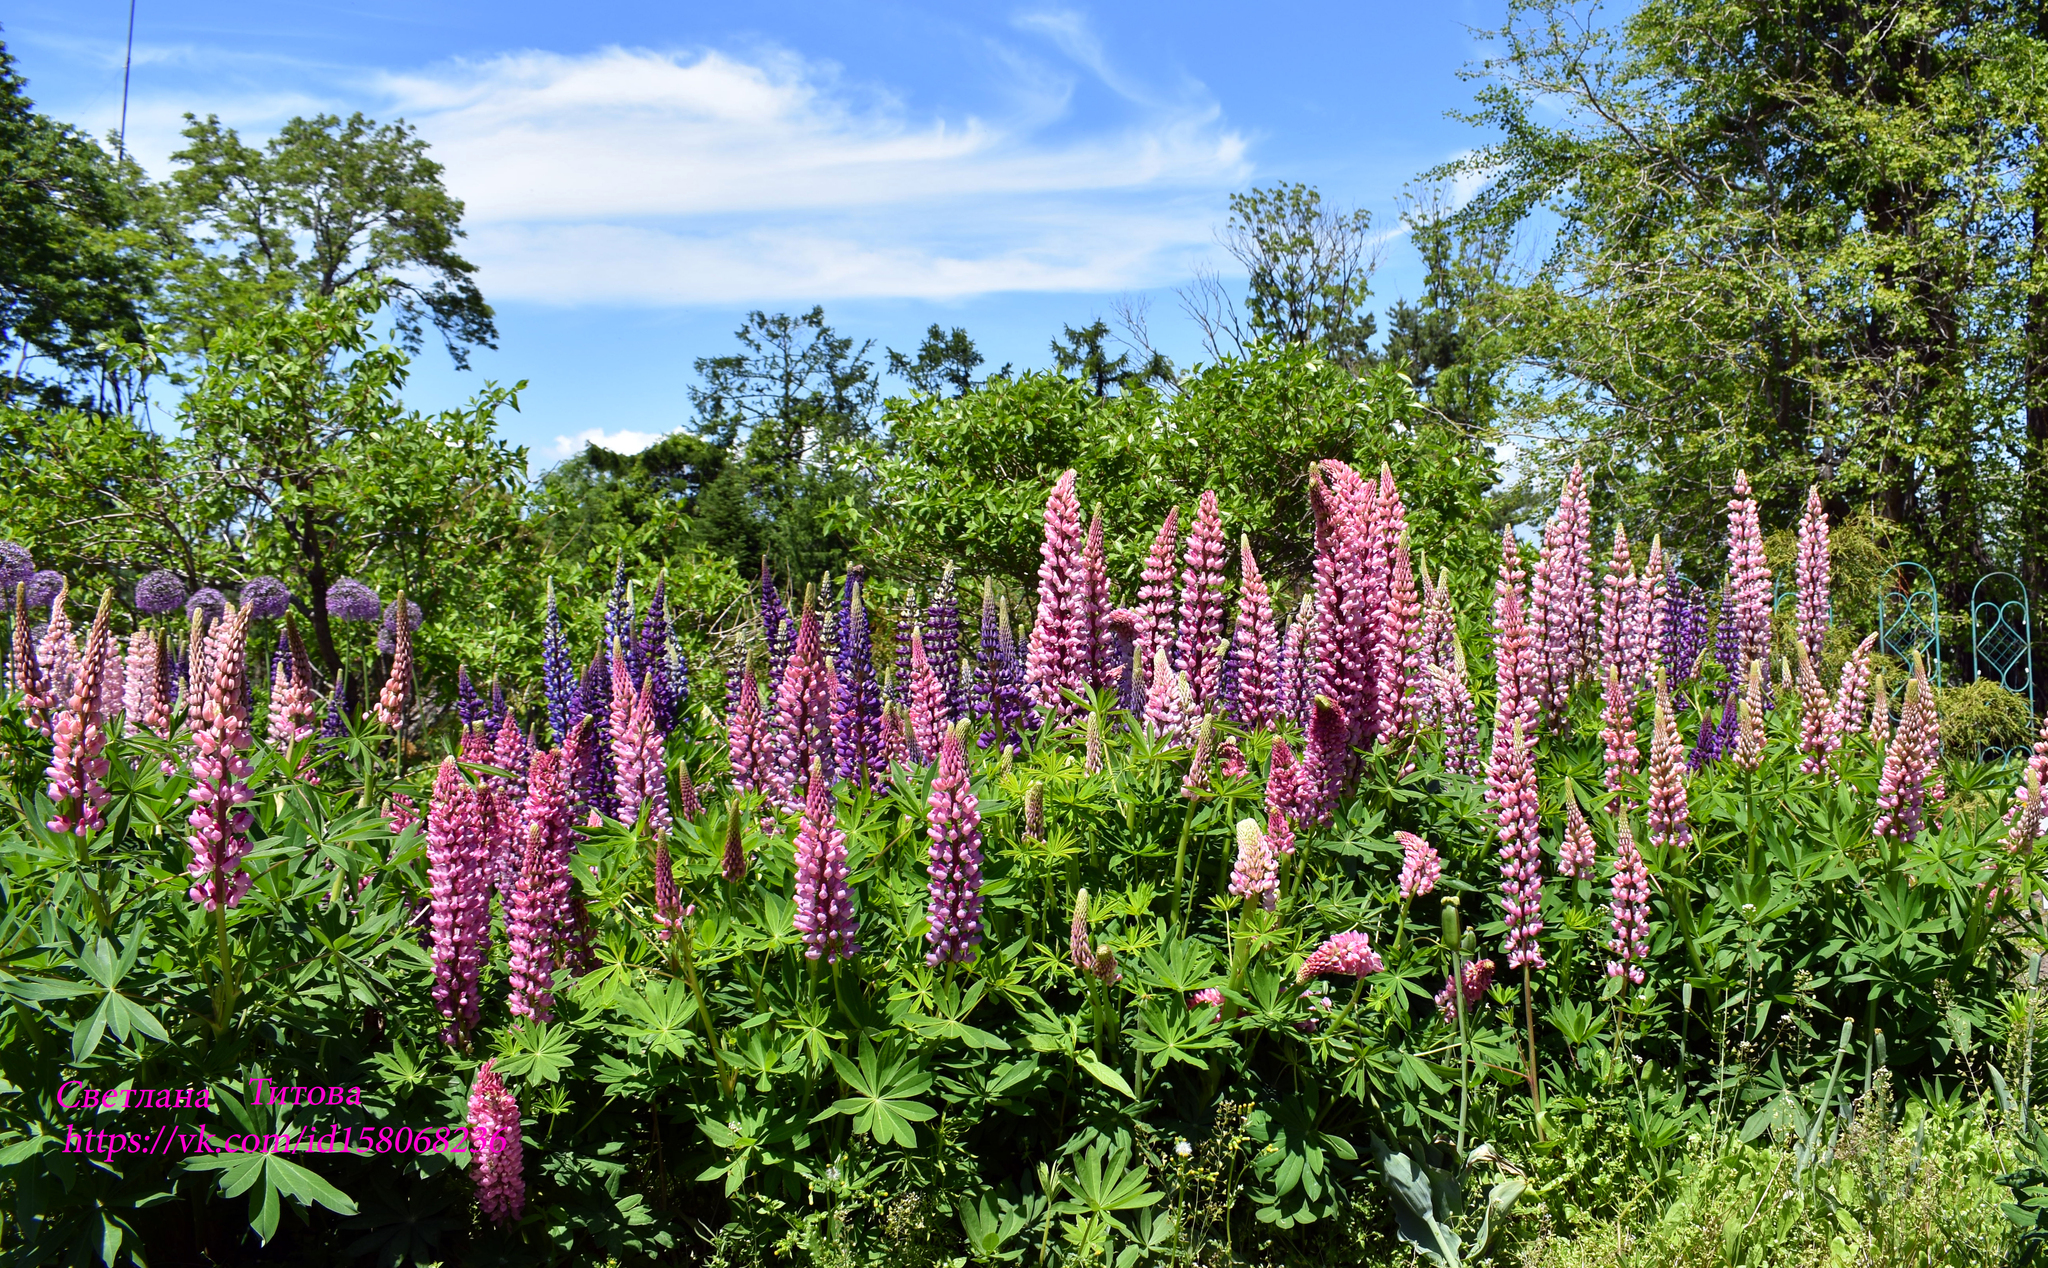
1347	954
220	825
856	695
459	899
496	712
953	824
493	1124
1749	576
558	672
802	732
468	707
332	725
669	913
1511	789
1908	761
777	630
1577	857
1685	630
1297	668
1059	597
1255	647
1200	626
1669	822
595	703
1629	907
652	641
678	678
824	904
999	679
1815	611
1323	763
747	748
77	771
942	644
1255	873
1623	753
928	717
618	610
687	804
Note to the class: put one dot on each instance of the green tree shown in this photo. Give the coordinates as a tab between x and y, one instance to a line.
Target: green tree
1083	353
73	274
1308	272
946	359
326	204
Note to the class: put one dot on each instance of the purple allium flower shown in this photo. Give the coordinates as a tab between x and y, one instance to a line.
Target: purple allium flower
1749	577
397	691
856	695
160	593
1255	875
1629	906
351	600
458	849
267	596
77	769
942	638
44	587
208	600
1908	761
220	772
1347	954
953	823
1198	638
1420	866
390	615
1670	827
1478	976
802	735
16	566
1152	619
494	1137
558	672
824	904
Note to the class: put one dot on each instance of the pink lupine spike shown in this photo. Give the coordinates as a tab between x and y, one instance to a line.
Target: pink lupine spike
1279	834
1670	824
953	825
220	772
397	693
928	718
1852	696
1749	576
1344	508
1478	976
24	670
1323	764
1908	762
642	759
1513	648
57	651
1380	521
534	921
1812	576
458	898
1816	735
143	699
746	746
1347	954
1399	652
1255	646
1420	866
1153	627
1089	639
802	734
1297	673
1551	615
1170	712
1629	907
1201	606
113	685
1581	604
1645	622
2037	773
1624	755
1749	729
1058	586
1578	857
1511	790
1433	651
1196	781
77	771
1879	733
1255	875
824	903
494	1141
1617	602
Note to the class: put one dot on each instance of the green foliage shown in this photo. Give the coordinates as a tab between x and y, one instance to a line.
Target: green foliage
1983	715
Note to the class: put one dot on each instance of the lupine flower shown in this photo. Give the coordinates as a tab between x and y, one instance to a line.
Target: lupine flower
1347	954
1345	510
1749	735
352	600
824	904
1399	657
1058	568
220	772
494	1131
1685	630
1077	936
1513	648
1254	646
1578	856
398	687
1230	763
668	903
1034	812
1629	907
1089	642
1208	997
1478	977
856	695
1169	706
999	679
1321	778
547	810
2037	772
1880	730
1279	835
1283	782
1749	577
652	656
1154	626
1644	627
1908	761
1458	717
294	704
24	671
77	771
1511	788
1317	1003
17	566
618	609
1852	696
57	649
953	824
1617	601
1297	677
802	736
1103	965
159	593
1618	730
1439	633
1196	781
469	707
557	672
267	597
747	749
1816	735
1255	874
2024	814
1092	751
1201	605
895	741
533	923
1420	866
459	898
929	717
643	764
144	700
778	631
687	804
1815	611
1561	596
598	774
942	644
1670	827
733	864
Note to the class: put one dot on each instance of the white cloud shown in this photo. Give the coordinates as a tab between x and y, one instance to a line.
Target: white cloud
623	441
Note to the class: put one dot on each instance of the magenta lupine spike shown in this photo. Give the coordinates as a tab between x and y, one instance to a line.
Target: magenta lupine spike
1090	640
1908	761
732	866
1059	555
1420	866
1230	763
668	901
548	815
624	692
1812	576
391	702
458	898
1323	762
1852	695
1551	618
1255	646
1255	874
1617	601
1749	576
1478	977
1578	856
24	670
1458	716
1629	907
953	824
1201	606
1283	783
1399	652
1279	834
824	904
534	921
1348	954
496	1147
220	773
1623	752
1077	936
928	717
78	770
1513	646
1669	819
1511	790
1749	721
1582	604
1342	639
643	763
1170	712
746	746
1382	520
802	734
1297	673
1816	735
1153	628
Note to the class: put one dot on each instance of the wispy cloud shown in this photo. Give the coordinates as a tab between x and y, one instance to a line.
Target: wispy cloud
622	441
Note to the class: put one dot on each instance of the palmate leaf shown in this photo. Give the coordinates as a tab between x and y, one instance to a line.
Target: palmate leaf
242	1173
885	1085
539	1053
1104	1184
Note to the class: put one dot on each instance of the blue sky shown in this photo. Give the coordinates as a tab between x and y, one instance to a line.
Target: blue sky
638	176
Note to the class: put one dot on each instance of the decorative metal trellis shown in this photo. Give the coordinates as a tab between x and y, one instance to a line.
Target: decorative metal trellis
2002	642
1909	620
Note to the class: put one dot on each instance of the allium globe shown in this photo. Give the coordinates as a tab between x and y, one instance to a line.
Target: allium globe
267	597
412	616
207	600
43	587
160	593
351	600
15	566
